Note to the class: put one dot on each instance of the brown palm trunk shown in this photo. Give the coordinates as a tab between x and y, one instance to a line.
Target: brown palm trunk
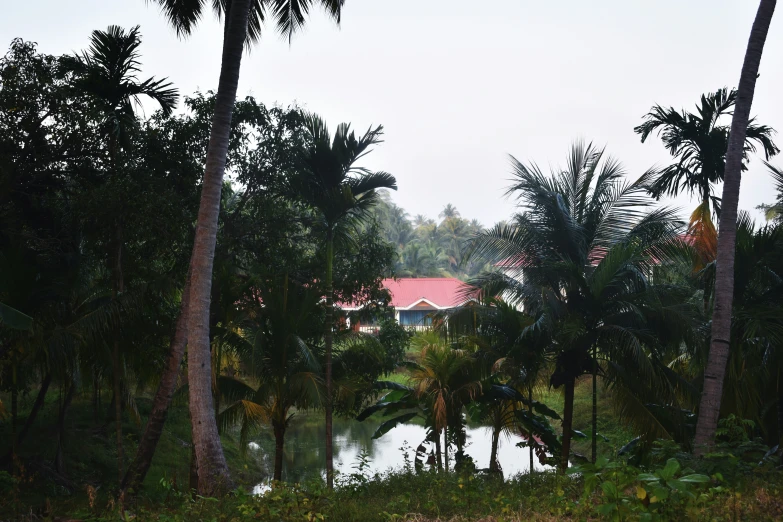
709	408
279	448
59	460
446	448
595	407
532	452
138	469
438	454
568	417
19	438
494	465
328	346
214	477
115	356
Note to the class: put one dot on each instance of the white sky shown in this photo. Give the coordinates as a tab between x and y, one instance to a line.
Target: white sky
460	84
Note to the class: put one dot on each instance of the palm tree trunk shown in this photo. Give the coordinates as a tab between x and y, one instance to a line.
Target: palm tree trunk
568	417
14	416
705	201
214	477
532	452
328	343
446	448
59	460
595	407
438	455
493	455
279	446
780	412
709	408
138	469
39	402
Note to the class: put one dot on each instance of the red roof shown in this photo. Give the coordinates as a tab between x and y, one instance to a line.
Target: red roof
441	292
436	292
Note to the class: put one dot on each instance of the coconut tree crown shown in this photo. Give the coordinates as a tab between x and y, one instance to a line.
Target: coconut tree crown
329	179
108	71
289	16
699	142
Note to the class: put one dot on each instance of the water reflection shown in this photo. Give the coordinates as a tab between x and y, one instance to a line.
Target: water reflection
305	438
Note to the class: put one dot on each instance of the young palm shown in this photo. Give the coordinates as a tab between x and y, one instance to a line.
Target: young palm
288	372
244	20
582	250
699	142
107	72
343	194
709	408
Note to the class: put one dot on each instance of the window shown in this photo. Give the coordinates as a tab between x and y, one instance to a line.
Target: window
415	318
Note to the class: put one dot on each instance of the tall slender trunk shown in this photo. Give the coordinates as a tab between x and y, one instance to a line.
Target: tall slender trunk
14	415
39	402
568	418
446	448
138	469
595	406
115	362
438	454
709	407
494	465
328	343
532	452
705	201
214	477
279	448
780	412
59	460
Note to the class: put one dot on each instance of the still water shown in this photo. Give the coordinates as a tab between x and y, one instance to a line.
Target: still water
304	448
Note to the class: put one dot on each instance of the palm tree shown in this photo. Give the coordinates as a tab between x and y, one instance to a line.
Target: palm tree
582	249
107	72
288	372
243	24
709	408
699	142
343	194
774	212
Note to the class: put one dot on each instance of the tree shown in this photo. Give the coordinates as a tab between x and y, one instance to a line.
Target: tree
243	23
709	408
774	212
343	194
581	252
107	74
279	348
699	143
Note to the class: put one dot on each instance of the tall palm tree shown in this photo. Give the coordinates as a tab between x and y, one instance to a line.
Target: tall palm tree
244	19
709	408
288	372
343	194
107	72
699	142
582	250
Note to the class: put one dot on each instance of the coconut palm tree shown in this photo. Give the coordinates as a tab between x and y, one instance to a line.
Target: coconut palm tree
107	72
581	250
279	350
699	141
709	408
244	19
343	194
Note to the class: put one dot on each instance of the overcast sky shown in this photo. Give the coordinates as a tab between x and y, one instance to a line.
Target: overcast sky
459	85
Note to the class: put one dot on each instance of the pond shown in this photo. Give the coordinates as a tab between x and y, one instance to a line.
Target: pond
304	447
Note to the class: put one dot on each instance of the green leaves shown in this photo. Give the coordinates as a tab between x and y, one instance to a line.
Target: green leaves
392	423
14	319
